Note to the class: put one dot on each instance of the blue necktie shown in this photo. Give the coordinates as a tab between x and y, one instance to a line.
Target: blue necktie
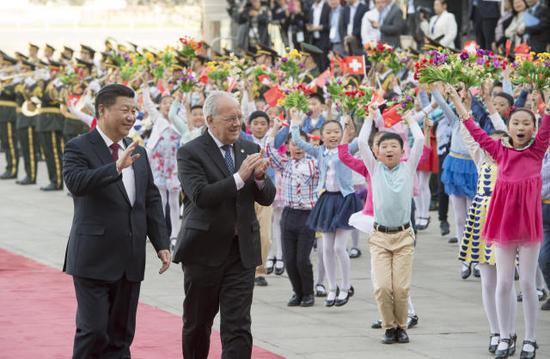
228	159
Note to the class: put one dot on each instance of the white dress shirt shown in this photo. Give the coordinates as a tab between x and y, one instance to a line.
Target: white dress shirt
317	10
128	177
352	11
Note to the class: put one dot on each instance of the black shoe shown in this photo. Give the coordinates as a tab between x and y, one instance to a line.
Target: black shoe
308	301
269	268
7	175
51	187
493	347
294	301
320	290
453	240
341	302
529	355
402	336
25	181
412	321
466	271
279	271
351	291
434	206
542	294
503	353
377	324
331	302
477	274
445	228
355	253
546	305
520	297
390	336
260	281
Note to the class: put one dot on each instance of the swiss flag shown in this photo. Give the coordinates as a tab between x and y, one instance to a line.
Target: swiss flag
391	116
354	65
321	81
273	95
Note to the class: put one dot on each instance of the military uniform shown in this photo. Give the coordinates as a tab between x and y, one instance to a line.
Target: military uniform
7	131
49	129
26	130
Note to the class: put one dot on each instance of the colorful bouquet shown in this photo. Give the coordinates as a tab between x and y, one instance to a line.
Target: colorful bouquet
535	72
383	53
404	103
290	64
128	71
297	97
187	82
189	48
68	77
218	72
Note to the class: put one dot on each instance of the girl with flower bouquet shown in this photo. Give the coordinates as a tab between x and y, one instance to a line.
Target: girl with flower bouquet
162	147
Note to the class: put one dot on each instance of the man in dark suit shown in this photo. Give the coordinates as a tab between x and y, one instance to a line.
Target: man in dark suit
391	24
116	207
538	32
318	28
219	242
350	26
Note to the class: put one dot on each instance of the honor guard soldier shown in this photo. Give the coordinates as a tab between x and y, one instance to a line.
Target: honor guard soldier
7	118
33	54
49	129
49	50
311	70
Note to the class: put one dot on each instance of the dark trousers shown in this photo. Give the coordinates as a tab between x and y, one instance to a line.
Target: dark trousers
297	242
9	146
29	147
227	288
52	144
544	256
105	318
321	60
443	197
485	32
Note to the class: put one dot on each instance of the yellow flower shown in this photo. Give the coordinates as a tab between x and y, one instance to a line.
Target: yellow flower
294	55
149	57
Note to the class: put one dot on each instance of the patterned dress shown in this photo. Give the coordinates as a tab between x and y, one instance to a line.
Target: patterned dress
473	249
163	161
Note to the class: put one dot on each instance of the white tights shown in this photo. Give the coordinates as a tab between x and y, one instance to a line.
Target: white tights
528	263
173	200
334	246
422	201
320	262
276	250
460	207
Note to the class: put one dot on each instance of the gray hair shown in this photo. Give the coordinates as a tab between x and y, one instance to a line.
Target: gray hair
209	107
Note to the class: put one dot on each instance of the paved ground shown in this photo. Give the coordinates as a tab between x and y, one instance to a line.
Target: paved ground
452	322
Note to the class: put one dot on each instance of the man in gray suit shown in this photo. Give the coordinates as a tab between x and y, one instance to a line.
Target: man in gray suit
391	24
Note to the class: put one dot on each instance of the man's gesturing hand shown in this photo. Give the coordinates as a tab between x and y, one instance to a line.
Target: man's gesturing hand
248	165
127	158
165	257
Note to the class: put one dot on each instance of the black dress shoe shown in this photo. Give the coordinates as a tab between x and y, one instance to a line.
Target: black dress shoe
453	240
390	336
412	321
503	353
340	302
493	347
529	355
402	336
351	291
269	265
7	175
308	301
294	301
51	187
477	273
466	271
331	302
445	228
260	281
281	270
377	324
25	181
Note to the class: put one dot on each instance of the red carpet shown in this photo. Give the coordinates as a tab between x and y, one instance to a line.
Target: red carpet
37	317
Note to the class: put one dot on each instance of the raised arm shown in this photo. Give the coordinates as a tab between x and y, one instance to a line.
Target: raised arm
296	121
447	111
364	149
349	160
277	161
473	147
418	145
543	135
149	105
87	119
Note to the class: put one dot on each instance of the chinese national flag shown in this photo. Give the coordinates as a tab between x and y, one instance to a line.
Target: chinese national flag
203	77
391	116
273	95
354	65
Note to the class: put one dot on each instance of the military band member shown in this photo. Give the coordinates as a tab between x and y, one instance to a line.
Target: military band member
49	50
33	54
7	119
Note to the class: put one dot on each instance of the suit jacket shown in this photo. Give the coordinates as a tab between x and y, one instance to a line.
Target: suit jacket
108	234
392	27
324	39
214	210
485	10
357	20
539	35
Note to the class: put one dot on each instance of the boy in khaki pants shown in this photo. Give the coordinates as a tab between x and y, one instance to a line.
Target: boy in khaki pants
392	243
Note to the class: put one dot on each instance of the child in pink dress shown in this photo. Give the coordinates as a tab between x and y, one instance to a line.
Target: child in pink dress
514	218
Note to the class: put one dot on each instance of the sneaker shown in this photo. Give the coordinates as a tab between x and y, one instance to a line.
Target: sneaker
260	281
402	336
294	301
390	336
412	321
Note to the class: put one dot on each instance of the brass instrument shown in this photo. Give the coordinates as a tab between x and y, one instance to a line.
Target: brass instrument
21	74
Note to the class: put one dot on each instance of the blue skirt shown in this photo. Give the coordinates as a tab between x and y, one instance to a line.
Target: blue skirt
332	212
459	176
